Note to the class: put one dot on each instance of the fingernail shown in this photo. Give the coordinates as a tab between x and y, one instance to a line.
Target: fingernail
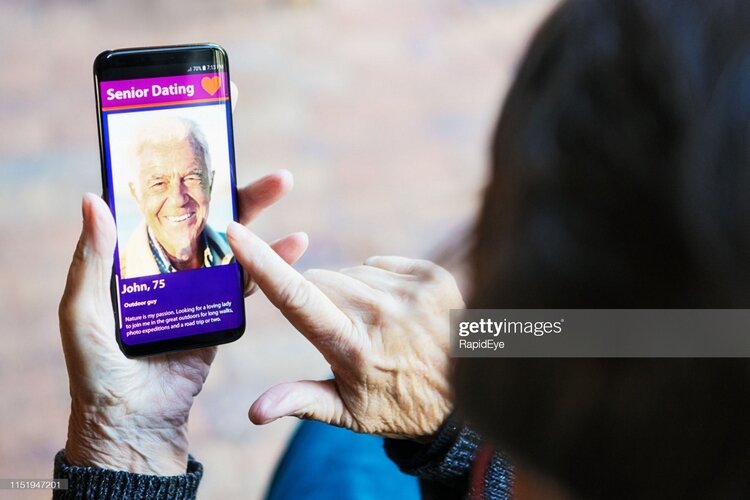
258	413
303	235
235	230
86	211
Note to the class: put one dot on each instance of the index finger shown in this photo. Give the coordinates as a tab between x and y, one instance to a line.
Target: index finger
404	265
301	302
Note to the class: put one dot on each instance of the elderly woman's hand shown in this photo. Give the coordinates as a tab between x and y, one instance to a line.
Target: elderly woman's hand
131	414
383	327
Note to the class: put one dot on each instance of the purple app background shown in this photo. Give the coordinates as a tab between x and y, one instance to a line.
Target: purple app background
193	302
190	302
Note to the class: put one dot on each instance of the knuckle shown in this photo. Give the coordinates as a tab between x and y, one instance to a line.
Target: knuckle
80	257
294	295
408	294
442	275
438	275
357	355
393	306
313	274
446	281
432	271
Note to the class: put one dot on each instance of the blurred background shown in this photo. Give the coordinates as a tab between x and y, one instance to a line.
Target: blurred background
381	110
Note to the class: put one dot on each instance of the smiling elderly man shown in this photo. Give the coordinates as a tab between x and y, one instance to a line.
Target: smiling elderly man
172	187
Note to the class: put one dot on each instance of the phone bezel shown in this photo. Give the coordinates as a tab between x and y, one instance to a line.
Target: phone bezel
147	62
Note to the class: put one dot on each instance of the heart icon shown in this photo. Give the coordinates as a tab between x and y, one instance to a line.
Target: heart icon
211	85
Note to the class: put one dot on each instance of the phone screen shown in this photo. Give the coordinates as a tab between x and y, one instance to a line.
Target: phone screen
169	178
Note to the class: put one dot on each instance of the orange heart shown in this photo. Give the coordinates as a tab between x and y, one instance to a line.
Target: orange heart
210	85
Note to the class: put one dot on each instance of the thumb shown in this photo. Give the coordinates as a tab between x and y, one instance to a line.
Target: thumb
90	271
307	399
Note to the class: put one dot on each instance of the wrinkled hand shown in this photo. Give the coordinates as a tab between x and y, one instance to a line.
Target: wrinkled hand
131	414
382	326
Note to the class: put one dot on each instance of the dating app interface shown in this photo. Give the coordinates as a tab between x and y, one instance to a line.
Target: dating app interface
168	151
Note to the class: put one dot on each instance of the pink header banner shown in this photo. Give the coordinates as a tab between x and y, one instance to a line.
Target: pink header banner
164	91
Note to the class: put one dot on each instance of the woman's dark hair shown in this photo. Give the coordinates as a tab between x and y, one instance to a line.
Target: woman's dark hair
620	178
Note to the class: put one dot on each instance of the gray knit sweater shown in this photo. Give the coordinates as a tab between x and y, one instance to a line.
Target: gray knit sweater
448	468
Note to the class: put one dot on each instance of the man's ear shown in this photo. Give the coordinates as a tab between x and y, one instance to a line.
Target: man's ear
210	183
133	191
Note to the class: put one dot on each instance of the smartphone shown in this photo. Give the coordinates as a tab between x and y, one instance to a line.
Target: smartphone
168	174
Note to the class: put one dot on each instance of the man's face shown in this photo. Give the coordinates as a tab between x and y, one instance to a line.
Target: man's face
173	191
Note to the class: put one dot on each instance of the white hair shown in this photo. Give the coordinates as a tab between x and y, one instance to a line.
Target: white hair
172	128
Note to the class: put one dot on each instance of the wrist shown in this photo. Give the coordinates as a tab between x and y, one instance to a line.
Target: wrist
115	439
